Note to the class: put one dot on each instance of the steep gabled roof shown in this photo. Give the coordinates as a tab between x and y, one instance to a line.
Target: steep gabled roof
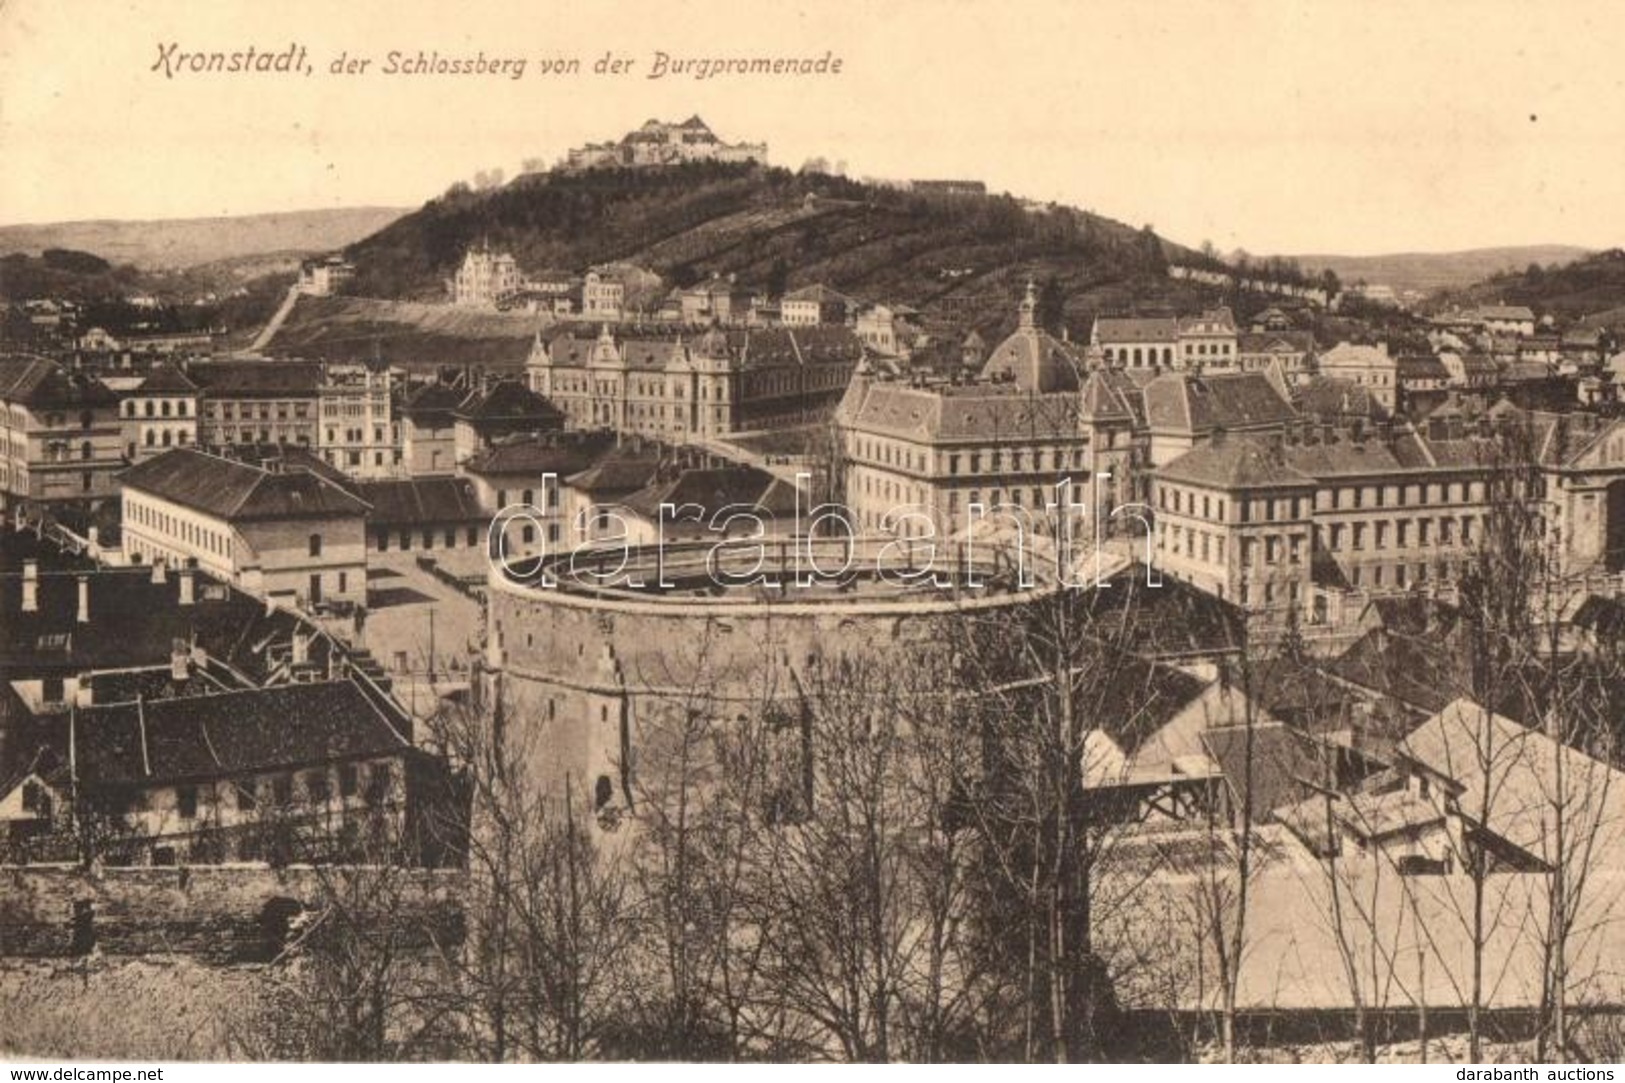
509	400
1197	404
236	491
39	382
230	734
166	379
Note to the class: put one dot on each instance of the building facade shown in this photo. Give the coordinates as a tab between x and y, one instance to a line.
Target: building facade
484	276
675	388
61	437
259	402
159	413
285	532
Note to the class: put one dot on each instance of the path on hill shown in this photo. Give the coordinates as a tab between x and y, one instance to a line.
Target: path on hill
274	324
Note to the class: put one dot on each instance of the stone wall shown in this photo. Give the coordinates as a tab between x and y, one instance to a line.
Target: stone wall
219	914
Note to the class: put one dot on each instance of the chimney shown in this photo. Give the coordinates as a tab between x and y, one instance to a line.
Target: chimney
180	660
185	577
158	570
84	599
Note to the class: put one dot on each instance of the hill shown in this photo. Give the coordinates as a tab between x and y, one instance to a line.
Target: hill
960	260
406	333
1587	287
176	244
1432	271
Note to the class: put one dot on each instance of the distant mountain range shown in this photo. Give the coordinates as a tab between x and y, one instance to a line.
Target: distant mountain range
181	243
1431	271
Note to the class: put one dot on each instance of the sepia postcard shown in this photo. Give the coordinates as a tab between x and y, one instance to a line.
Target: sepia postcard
885	531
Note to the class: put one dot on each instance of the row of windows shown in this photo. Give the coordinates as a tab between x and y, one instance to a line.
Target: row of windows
246	410
1445	530
179	408
316	788
449	535
1348	498
188	531
1018	460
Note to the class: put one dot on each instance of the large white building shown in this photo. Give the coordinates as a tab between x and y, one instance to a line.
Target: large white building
484	276
282	530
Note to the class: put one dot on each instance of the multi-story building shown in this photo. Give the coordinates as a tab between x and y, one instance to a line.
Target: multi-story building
1291	351
1136	342
1516	320
1034	419
484	277
259	402
1207	340
675	388
159	413
660	143
811	306
717	300
428	430
602	297
1184	410
1304	519
284	529
358	432
529	471
61	438
325	276
504	409
1368	366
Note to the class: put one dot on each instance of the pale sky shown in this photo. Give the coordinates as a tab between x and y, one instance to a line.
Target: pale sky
1278	127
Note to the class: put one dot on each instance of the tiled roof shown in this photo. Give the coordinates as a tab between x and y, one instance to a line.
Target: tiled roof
819	294
946	414
623	469
1507	773
1335	397
228	734
1235	463
1198	404
166	379
713	489
1283	764
237	491
1102	399
1277	342
1114	330
561	454
1356	355
421	500
434	399
251	379
135	622
509	400
36	381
